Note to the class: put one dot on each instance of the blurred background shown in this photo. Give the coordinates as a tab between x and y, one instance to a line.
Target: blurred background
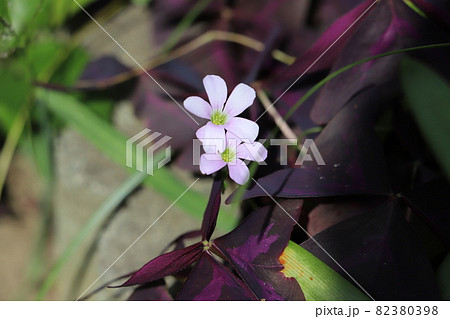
57	177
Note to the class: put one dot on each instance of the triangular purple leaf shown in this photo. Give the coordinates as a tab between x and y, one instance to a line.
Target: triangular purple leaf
354	160
102	69
211	281
381	252
255	246
392	25
334	34
154	291
431	201
165	265
436	11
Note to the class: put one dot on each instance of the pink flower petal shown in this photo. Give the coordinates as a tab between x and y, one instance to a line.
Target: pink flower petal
213	138
252	151
217	91
240	99
210	163
201	132
244	129
198	106
238	172
232	141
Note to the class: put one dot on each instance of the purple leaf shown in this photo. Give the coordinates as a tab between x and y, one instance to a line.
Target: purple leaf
165	265
354	161
212	209
255	246
301	117
335	211
163	115
431	202
381	252
333	33
392	25
436	11
103	68
154	291
179	241
211	281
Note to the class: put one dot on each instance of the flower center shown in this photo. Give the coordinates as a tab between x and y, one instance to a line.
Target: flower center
206	245
228	155
218	117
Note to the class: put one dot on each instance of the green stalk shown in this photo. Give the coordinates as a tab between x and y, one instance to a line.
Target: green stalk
185	23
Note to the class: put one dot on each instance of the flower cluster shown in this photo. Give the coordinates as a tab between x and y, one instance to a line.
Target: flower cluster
226	138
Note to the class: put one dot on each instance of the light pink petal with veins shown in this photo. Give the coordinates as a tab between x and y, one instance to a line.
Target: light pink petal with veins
217	91
212	137
201	132
240	99
243	128
252	151
238	172
198	106
210	163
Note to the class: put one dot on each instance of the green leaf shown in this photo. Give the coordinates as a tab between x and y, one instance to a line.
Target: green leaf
141	2
71	68
428	97
410	4
184	24
318	281
7	34
41	55
59	10
22	13
443	276
15	88
4	12
113	144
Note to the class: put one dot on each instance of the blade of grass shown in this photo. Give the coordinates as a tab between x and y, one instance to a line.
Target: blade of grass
97	218
428	97
12	139
185	23
317	280
41	147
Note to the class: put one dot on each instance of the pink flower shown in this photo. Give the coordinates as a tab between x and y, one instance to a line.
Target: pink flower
232	155
223	117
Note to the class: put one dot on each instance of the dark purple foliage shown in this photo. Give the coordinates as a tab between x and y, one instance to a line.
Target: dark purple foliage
352	153
165	265
253	249
104	68
156	291
335	36
381	252
432	203
210	280
389	27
